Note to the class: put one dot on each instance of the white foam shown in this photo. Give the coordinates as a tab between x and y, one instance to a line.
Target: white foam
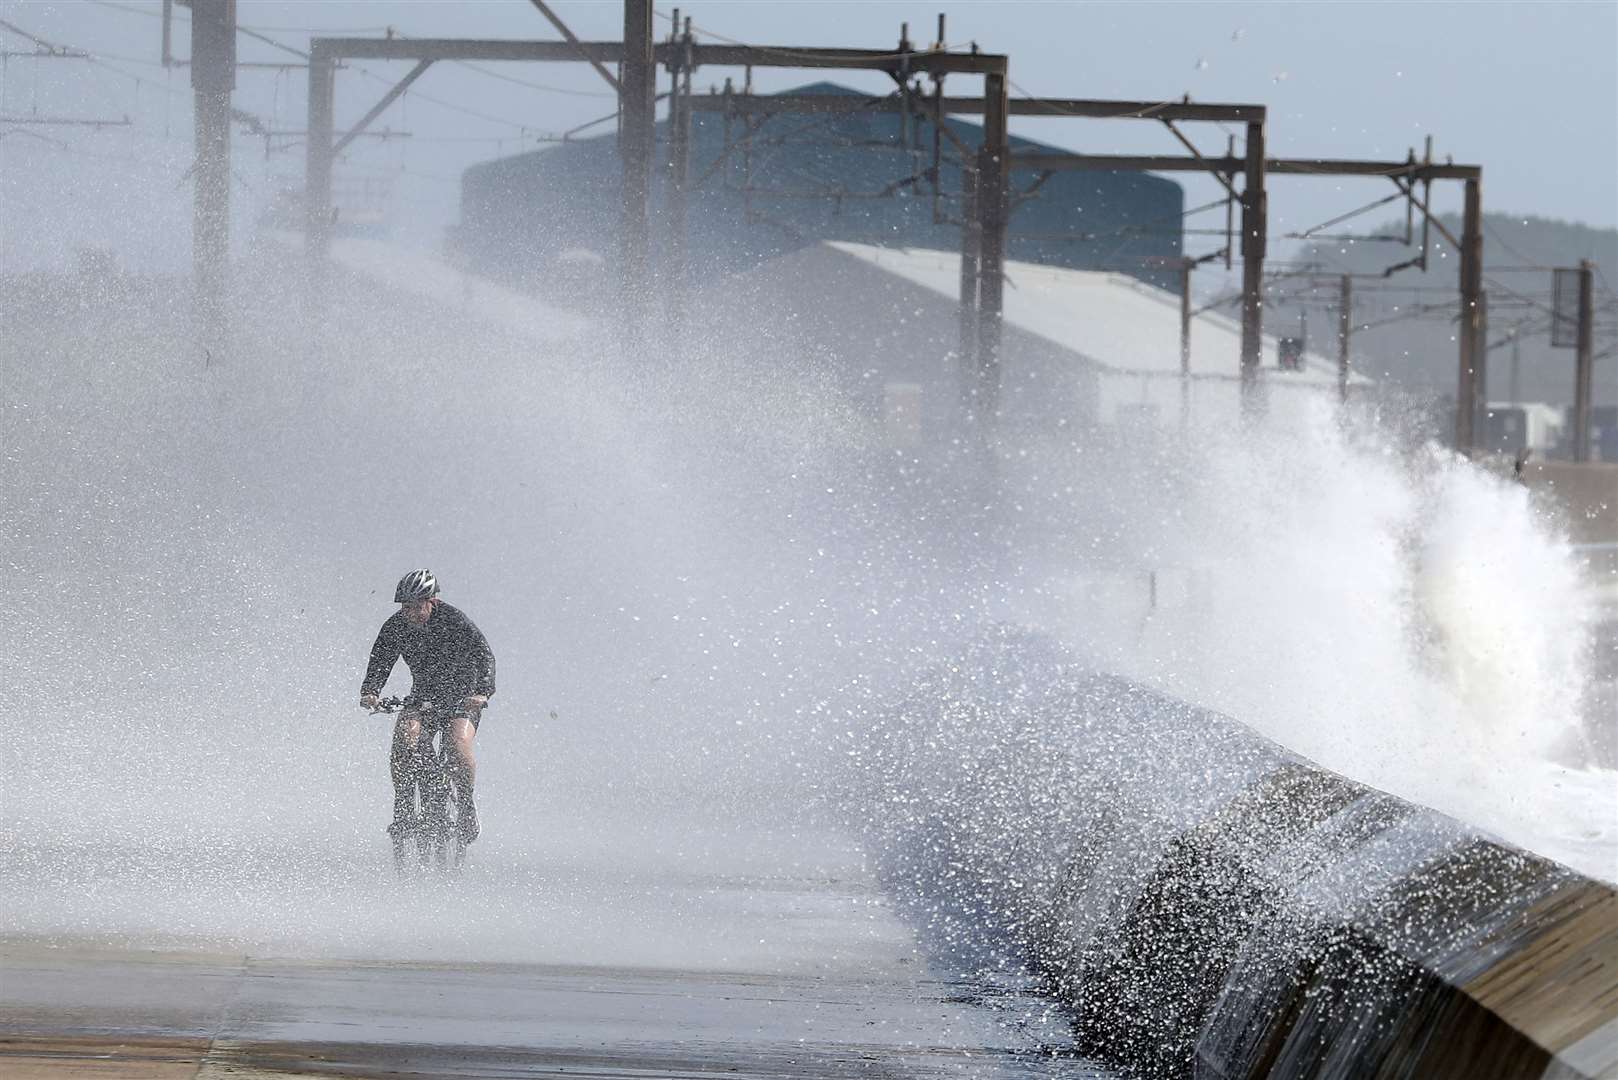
1402	617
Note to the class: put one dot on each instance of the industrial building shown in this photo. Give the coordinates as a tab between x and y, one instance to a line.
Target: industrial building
798	180
1543	429
1083	350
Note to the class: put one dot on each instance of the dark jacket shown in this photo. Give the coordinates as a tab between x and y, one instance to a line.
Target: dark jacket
449	659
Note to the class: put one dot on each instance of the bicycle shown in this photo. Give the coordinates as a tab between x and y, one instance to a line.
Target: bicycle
434	795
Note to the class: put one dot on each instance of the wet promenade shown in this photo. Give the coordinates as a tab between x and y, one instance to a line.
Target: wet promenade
744	974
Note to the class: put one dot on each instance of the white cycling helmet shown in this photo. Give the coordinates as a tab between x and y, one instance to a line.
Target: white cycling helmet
416	585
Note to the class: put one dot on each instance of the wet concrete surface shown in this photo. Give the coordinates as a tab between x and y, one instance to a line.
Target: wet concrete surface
84	1010
604	955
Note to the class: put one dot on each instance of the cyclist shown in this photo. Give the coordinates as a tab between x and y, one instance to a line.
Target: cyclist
452	667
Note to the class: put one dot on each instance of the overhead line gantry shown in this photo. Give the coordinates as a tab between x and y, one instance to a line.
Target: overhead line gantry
988	177
638	55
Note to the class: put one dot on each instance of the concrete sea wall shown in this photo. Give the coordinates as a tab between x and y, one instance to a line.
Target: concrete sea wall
1207	903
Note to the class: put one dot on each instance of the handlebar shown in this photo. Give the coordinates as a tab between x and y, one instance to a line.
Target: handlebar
394	704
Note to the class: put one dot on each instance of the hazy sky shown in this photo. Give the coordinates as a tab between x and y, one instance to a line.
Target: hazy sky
1529	90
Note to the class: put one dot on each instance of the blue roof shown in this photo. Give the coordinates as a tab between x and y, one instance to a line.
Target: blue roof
865	177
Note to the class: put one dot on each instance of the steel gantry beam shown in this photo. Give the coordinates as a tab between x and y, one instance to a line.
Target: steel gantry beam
833	104
612	52
1232	166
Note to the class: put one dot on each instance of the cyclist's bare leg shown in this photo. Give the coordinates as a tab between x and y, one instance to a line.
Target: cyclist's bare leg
461	732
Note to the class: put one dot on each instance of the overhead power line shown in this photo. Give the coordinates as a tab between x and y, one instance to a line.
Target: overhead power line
49	46
702	31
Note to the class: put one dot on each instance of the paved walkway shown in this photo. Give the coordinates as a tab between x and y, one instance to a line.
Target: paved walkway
720	962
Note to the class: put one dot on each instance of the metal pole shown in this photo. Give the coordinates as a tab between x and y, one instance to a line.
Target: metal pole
638	106
1230	210
210	236
679	175
994	164
168	32
1345	327
213	77
1516	365
318	163
938	128
1584	362
749	127
969	283
1472	329
1254	228
1427	200
1480	379
907	110
1186	266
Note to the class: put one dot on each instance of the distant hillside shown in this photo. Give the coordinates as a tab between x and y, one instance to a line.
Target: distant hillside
1421	353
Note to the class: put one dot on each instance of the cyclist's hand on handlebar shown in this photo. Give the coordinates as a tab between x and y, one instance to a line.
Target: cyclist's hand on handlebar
369	702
